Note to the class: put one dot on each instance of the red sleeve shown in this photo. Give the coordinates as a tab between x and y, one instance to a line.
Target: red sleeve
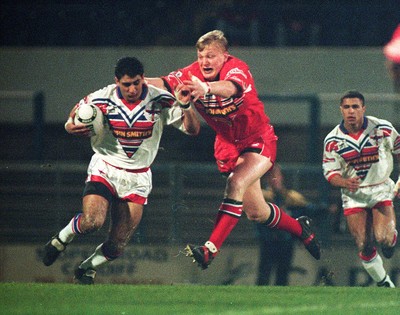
176	77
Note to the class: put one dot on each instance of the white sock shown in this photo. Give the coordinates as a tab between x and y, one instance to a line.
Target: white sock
375	268
68	233
95	260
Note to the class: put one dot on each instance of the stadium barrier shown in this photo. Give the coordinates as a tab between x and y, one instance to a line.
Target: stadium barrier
155	264
15	110
182	205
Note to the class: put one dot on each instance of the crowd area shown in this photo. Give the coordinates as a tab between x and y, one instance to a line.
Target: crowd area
160	22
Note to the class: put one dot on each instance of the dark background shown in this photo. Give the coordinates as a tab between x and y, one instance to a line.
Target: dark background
142	23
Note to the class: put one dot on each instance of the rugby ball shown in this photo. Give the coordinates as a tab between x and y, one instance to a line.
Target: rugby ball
90	116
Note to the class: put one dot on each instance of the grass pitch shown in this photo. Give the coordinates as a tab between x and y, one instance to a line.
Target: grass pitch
44	298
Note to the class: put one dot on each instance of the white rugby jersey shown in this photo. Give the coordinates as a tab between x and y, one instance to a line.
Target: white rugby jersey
368	155
132	131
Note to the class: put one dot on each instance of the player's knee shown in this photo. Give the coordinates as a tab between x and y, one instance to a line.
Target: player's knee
112	250
91	224
235	185
383	238
254	216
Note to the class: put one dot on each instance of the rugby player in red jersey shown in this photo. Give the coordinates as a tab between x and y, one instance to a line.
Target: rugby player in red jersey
224	94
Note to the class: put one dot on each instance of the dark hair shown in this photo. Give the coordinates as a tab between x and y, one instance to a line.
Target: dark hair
130	66
352	94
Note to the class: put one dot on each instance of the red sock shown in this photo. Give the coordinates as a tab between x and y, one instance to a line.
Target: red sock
282	221
228	216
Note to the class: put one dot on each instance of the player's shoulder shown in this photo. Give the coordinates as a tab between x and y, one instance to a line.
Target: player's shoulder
235	60
104	92
159	95
334	134
154	91
234	67
378	121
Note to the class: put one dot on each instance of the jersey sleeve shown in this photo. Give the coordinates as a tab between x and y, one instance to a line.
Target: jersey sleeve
395	137
239	74
171	113
331	160
178	76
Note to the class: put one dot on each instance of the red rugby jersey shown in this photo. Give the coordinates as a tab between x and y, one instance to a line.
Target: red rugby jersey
238	118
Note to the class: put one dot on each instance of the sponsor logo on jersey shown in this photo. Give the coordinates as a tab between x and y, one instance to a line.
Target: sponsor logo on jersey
221	111
236	71
364	160
133	134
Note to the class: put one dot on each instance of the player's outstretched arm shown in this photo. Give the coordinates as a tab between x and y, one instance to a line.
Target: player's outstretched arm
190	119
220	88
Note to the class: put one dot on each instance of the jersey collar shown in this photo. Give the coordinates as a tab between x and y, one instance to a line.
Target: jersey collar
142	96
345	131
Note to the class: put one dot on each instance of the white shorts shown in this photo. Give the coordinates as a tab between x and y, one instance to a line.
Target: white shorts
130	185
367	197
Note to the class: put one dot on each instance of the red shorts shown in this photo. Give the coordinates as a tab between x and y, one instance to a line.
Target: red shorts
227	153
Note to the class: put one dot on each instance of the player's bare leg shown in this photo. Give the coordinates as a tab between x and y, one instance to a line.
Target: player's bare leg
361	228
249	169
243	190
92	218
125	218
258	210
384	225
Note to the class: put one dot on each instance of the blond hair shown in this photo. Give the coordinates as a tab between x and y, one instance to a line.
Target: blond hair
215	36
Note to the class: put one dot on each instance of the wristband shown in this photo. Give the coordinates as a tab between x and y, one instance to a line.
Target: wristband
185	106
205	85
208	88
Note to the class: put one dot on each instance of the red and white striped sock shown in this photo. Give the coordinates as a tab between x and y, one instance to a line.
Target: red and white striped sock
228	216
280	220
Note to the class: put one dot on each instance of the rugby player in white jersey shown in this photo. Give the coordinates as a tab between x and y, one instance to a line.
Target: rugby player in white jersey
358	158
119	176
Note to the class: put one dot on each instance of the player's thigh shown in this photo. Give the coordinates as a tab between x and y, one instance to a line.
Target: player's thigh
125	218
94	210
249	169
359	226
384	219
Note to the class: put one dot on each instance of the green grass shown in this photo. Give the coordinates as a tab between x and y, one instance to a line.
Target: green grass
41	298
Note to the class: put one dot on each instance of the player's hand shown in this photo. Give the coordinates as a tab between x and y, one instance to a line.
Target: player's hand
352	184
396	189
182	95
198	88
77	130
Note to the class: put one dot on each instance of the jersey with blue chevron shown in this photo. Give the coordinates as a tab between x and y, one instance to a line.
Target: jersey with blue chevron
368	154
133	131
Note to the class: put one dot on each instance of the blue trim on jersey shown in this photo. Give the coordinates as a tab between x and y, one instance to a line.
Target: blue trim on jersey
345	131
352	145
145	89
